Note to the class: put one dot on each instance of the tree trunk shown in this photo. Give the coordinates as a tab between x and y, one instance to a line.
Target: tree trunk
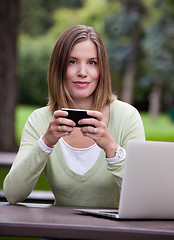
129	74
155	101
132	7
128	82
8	29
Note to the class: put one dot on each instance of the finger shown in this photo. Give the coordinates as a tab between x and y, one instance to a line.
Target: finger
58	128
65	121
59	113
89	130
95	114
88	121
63	129
61	118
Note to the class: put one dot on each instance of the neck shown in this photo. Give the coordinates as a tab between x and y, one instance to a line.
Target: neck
82	104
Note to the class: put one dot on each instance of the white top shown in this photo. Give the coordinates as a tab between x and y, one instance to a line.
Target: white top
79	162
82	159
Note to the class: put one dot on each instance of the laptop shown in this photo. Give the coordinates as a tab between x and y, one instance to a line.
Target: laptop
148	183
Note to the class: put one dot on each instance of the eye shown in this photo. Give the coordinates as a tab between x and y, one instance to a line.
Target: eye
72	62
92	62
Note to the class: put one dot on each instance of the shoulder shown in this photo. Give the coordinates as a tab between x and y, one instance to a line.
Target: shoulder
123	113
125	122
122	107
38	121
40	118
43	112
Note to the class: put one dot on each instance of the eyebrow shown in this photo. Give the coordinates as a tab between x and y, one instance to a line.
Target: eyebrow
93	58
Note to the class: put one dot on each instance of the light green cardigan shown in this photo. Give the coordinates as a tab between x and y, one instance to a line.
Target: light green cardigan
99	187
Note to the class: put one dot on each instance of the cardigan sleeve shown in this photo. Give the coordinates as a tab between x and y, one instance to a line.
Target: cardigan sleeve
129	127
28	165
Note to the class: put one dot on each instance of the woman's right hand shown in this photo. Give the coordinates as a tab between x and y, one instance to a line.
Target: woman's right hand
58	127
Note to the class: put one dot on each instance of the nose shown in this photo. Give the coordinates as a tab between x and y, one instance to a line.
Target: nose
82	71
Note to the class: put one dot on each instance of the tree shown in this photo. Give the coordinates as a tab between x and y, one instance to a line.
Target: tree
36	17
33	59
92	13
8	29
124	34
159	48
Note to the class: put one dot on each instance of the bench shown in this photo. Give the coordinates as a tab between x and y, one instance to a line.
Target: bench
6	159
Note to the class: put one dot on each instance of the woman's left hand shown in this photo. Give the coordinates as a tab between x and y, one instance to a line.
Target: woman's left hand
99	133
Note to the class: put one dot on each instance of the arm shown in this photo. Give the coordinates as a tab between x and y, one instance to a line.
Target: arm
29	163
31	158
130	128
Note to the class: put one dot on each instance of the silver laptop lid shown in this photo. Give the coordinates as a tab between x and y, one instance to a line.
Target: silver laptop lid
148	182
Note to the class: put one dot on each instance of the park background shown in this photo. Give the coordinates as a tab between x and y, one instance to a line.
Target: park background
138	35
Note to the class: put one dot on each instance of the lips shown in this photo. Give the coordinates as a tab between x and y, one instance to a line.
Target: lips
81	83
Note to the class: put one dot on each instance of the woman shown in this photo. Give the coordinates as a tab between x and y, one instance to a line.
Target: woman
83	166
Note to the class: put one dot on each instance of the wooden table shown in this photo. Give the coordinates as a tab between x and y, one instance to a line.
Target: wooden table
41	220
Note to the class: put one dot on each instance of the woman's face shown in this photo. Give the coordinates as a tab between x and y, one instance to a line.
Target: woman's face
82	74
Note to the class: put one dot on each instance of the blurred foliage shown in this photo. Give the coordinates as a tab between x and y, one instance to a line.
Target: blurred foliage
124	32
32	69
158	45
149	23
120	28
36	16
92	13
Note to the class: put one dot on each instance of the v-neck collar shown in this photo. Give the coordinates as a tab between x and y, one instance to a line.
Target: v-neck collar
86	175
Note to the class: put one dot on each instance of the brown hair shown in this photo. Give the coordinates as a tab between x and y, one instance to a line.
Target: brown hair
58	94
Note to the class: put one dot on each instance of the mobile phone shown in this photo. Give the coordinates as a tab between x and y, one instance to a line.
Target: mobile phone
76	115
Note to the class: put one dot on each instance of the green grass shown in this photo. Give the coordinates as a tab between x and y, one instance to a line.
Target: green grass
22	113
160	130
